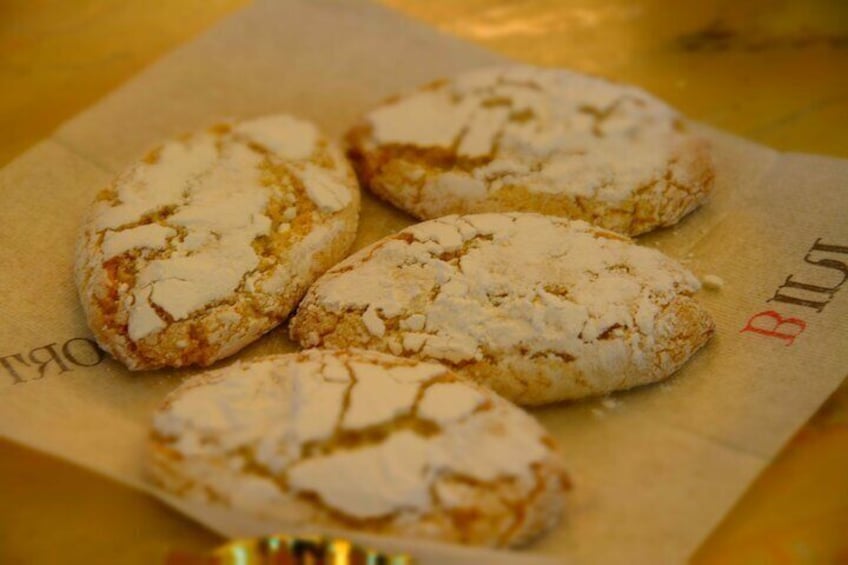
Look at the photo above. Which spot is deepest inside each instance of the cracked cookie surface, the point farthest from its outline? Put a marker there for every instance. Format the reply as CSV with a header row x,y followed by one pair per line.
x,y
539,308
360,440
522,138
211,239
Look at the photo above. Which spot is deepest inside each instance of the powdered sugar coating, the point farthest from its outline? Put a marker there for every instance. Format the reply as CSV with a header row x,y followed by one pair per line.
x,y
185,258
237,435
538,307
521,138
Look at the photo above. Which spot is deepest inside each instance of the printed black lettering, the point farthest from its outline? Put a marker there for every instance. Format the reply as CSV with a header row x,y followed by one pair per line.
x,y
4,361
814,304
804,294
828,263
819,246
84,354
52,357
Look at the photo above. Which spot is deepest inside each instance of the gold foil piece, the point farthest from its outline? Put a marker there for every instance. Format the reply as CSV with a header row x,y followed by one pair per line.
x,y
300,550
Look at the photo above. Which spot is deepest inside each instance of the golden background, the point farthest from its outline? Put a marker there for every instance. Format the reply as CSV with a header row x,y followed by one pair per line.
x,y
772,71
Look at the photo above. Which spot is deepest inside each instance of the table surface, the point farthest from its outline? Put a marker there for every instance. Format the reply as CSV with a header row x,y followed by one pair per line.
x,y
772,71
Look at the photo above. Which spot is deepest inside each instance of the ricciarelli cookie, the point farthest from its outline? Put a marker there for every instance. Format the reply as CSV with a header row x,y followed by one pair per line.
x,y
211,239
539,308
364,441
521,138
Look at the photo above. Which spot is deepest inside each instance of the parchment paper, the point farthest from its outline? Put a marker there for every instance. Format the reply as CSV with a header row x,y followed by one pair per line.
x,y
654,469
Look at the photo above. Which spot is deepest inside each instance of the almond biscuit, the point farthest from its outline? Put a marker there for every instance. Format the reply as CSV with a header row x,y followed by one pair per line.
x,y
539,308
521,138
211,239
364,441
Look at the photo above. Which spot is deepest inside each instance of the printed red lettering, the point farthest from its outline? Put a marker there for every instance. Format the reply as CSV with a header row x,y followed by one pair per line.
x,y
771,324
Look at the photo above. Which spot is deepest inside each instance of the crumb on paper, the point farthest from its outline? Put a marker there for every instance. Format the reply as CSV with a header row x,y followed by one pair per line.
x,y
604,407
712,282
610,403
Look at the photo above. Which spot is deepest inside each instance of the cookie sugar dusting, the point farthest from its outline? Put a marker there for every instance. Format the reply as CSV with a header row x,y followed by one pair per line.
x,y
539,308
360,440
521,138
210,240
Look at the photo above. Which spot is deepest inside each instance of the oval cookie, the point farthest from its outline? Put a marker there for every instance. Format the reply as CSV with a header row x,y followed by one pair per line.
x,y
539,308
211,239
520,138
360,440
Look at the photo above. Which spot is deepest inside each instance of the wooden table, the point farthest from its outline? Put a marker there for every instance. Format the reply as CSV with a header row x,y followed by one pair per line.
x,y
775,72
